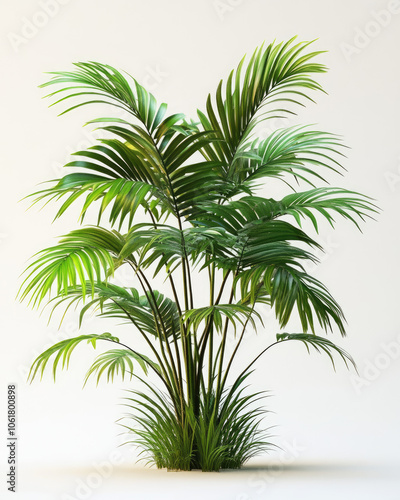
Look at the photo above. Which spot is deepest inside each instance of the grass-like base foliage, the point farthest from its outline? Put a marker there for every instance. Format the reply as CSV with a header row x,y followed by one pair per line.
x,y
225,434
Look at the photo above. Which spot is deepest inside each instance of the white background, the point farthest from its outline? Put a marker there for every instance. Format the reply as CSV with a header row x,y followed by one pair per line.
x,y
338,433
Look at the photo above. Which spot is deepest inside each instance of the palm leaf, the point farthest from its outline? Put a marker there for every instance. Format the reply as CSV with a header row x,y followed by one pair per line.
x,y
83,257
62,351
290,287
153,313
319,344
295,151
115,362
105,84
150,153
348,204
277,73
166,245
233,312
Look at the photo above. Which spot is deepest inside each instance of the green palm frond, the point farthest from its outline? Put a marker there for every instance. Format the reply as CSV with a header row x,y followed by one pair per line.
x,y
248,217
319,344
123,196
290,287
62,351
286,289
292,152
166,245
167,169
277,74
248,210
233,312
348,204
150,313
253,237
267,246
153,152
83,257
105,84
134,171
118,362
65,265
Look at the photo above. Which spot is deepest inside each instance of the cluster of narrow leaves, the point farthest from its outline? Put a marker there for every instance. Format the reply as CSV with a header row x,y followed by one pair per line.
x,y
181,198
209,441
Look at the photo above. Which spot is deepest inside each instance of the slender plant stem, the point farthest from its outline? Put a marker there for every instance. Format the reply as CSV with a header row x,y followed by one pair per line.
x,y
211,274
242,373
156,312
236,348
176,347
165,379
222,351
206,332
187,350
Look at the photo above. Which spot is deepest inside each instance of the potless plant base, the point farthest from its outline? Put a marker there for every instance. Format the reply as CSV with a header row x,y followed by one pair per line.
x,y
183,198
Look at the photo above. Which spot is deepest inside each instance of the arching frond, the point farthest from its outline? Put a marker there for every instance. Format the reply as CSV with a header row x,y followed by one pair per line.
x,y
278,73
123,196
62,351
319,344
83,257
153,152
105,84
294,152
255,210
166,245
348,204
290,287
117,362
233,312
154,313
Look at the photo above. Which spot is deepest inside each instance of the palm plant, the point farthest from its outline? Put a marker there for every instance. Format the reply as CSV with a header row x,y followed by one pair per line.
x,y
196,184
